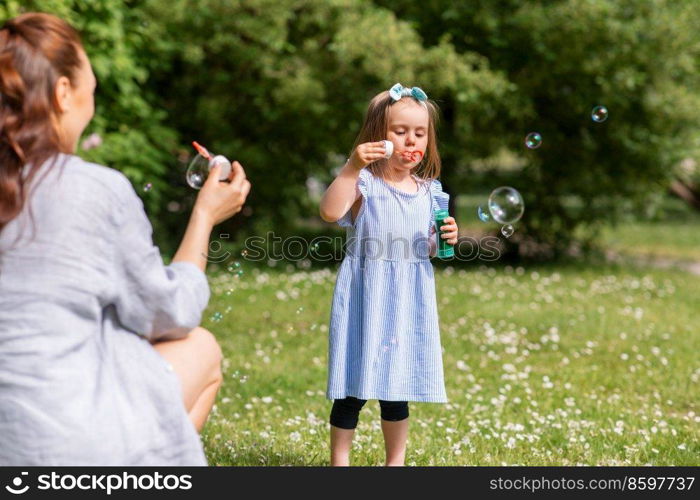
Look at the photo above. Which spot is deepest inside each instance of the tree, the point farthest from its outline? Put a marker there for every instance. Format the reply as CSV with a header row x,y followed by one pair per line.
x,y
638,58
135,136
282,87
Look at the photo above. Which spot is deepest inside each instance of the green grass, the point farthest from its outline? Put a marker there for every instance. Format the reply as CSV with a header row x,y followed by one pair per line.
x,y
543,366
679,240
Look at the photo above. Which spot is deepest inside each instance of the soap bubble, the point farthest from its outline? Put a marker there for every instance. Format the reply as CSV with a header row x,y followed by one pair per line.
x,y
483,214
599,114
506,205
197,171
217,317
300,310
244,253
533,140
229,291
147,187
507,230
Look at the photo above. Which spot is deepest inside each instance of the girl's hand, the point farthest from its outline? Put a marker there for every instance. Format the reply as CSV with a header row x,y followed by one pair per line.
x,y
217,200
451,231
366,153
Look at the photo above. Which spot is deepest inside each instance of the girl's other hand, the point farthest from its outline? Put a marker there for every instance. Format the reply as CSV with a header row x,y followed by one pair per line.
x,y
366,153
450,231
218,201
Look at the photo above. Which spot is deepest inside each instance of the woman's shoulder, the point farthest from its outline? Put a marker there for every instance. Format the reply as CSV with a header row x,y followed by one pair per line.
x,y
93,179
76,184
83,171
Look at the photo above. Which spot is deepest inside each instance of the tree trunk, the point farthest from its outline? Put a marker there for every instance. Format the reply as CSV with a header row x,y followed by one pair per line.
x,y
688,192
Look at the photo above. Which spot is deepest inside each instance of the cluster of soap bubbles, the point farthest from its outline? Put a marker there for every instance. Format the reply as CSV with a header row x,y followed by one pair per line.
x,y
533,140
235,268
505,206
218,316
237,271
505,203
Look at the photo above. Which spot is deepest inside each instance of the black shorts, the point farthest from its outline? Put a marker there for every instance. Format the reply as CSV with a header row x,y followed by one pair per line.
x,y
346,412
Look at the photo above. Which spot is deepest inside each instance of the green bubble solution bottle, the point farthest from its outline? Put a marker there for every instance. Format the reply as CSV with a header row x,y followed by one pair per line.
x,y
444,249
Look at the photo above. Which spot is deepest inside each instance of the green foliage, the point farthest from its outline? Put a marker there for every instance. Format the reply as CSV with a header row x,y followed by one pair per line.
x,y
282,86
136,137
638,58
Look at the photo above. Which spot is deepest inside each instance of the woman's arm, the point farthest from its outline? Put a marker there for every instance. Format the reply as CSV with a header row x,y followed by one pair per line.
x,y
194,247
216,202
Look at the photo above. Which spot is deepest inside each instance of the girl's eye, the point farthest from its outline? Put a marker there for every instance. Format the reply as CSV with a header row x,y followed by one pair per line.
x,y
420,135
400,132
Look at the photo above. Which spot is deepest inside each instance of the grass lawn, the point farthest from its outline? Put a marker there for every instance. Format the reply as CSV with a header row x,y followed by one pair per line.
x,y
543,366
677,240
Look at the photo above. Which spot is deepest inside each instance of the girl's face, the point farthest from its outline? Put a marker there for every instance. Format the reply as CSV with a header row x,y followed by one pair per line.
x,y
76,104
408,130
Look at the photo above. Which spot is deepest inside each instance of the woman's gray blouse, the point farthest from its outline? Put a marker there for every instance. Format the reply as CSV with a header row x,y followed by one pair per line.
x,y
83,291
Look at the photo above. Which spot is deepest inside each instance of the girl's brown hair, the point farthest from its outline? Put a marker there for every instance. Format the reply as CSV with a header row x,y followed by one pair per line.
x,y
35,51
375,128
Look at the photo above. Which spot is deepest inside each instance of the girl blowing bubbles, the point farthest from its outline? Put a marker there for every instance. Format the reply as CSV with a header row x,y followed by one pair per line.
x,y
384,335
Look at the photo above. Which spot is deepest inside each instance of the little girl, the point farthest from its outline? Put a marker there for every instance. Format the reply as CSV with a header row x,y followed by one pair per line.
x,y
384,335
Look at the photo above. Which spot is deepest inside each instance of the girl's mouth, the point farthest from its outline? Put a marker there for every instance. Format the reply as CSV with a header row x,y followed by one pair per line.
x,y
412,156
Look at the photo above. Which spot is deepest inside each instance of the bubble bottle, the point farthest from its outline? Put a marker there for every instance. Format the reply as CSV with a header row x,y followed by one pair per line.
x,y
202,163
444,249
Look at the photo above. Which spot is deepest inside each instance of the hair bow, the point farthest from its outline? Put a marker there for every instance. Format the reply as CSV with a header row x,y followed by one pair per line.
x,y
398,91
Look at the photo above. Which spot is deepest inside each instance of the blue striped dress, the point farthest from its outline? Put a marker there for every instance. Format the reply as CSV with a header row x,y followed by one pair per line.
x,y
384,339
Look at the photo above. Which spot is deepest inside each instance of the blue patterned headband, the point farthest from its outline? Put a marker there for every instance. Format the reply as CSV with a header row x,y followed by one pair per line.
x,y
398,91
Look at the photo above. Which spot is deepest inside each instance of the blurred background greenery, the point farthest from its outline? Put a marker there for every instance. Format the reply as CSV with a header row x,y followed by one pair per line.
x,y
282,86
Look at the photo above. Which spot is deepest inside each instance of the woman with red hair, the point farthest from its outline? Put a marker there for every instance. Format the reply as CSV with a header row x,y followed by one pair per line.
x,y
102,361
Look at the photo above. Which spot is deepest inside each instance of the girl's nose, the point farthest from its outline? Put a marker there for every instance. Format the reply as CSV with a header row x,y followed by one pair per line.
x,y
410,138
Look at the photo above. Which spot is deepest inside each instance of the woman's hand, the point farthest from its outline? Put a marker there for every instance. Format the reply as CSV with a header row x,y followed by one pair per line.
x,y
450,230
366,153
218,201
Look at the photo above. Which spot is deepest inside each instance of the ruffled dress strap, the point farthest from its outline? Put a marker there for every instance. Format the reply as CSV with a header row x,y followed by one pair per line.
x,y
364,182
440,200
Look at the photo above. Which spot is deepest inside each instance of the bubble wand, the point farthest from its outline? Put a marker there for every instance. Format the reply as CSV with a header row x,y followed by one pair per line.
x,y
199,168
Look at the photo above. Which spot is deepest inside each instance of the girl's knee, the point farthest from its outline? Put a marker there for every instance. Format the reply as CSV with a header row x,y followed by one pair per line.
x,y
394,411
346,412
